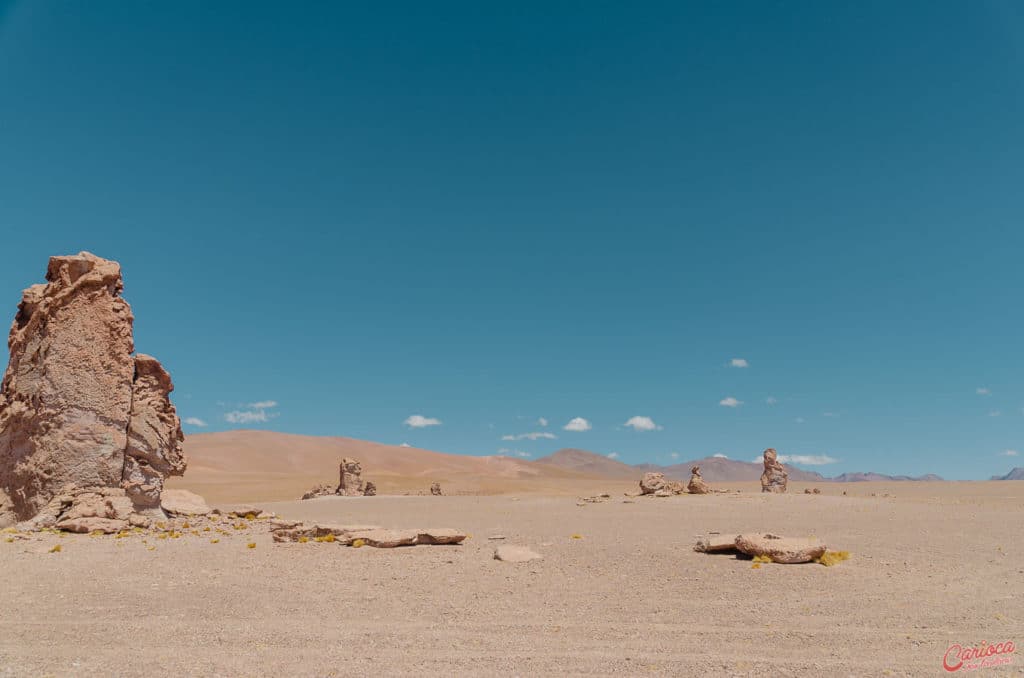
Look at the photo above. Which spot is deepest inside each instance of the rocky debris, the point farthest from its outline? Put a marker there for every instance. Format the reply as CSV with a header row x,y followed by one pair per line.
x,y
595,499
497,536
664,492
715,543
350,478
76,407
515,554
87,509
321,490
435,489
184,503
370,489
809,490
652,482
774,478
363,535
780,549
697,484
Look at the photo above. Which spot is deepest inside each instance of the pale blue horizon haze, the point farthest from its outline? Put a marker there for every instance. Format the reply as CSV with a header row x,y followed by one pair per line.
x,y
738,225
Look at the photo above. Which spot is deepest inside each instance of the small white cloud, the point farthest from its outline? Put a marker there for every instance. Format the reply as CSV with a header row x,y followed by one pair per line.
x,y
523,454
419,421
405,445
799,420
981,390
719,455
730,402
542,421
829,414
613,455
263,405
674,455
578,424
195,421
771,400
642,424
805,459
531,436
518,453
995,413
247,417
1010,453
739,362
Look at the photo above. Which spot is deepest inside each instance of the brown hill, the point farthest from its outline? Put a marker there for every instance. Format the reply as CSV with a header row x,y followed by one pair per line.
x,y
591,463
267,466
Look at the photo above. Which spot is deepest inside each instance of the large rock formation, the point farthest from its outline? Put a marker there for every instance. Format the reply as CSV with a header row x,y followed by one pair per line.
x,y
76,407
350,478
774,478
697,484
652,482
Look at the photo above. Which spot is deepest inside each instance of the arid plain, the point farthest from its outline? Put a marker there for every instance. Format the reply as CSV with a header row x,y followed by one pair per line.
x,y
619,590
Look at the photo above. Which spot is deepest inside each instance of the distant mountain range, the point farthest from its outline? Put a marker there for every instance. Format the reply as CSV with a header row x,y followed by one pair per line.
x,y
714,469
1015,474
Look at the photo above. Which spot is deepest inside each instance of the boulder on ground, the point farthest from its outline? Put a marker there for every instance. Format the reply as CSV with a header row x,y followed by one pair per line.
x,y
697,484
321,490
370,489
774,478
184,503
435,489
66,400
515,554
652,482
780,549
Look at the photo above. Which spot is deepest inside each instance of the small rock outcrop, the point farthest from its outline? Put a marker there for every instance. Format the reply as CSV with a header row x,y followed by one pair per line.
x,y
350,478
435,489
774,478
369,489
184,503
321,490
652,482
77,408
87,509
697,484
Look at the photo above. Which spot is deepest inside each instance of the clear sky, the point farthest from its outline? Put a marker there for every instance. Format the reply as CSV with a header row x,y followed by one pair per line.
x,y
336,217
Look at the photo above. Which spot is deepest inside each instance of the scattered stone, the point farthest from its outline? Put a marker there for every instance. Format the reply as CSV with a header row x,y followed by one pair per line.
x,y
321,490
497,536
780,549
515,554
184,503
76,407
439,536
435,489
139,520
652,482
628,501
774,478
697,484
92,524
350,478
367,535
370,489
663,493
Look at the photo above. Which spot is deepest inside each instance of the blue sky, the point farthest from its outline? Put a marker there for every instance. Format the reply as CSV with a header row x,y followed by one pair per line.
x,y
488,214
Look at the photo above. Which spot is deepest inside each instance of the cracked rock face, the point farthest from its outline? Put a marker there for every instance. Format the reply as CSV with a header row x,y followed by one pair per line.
x,y
76,407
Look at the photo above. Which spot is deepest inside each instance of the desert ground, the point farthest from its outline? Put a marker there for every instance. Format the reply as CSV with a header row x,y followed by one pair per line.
x,y
619,590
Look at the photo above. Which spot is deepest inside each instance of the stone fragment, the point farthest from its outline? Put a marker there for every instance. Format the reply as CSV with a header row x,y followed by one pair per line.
x,y
92,524
652,482
386,539
369,489
435,489
440,536
321,490
515,554
715,543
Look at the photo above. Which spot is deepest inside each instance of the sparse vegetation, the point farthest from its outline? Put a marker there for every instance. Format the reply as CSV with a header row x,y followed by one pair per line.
x,y
830,558
55,549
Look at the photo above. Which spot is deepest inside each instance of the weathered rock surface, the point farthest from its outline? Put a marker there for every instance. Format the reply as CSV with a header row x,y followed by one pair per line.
x,y
369,535
184,503
435,489
697,484
66,401
715,543
780,549
369,489
774,478
350,478
652,482
515,554
321,490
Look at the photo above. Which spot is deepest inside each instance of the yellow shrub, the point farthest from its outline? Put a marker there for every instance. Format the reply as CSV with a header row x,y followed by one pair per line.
x,y
303,540
358,543
830,558
251,544
55,549
762,559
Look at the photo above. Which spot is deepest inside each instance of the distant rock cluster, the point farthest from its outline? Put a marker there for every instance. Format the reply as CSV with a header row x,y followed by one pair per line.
x,y
350,483
87,429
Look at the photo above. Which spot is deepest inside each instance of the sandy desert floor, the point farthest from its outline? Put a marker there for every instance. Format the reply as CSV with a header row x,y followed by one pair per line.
x,y
938,563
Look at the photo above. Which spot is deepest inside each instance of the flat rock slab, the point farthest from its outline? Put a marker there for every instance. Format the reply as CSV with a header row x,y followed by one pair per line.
x,y
780,549
93,524
184,503
716,543
515,554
